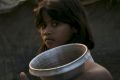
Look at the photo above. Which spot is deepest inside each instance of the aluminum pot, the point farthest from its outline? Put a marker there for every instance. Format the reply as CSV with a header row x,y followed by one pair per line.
x,y
60,63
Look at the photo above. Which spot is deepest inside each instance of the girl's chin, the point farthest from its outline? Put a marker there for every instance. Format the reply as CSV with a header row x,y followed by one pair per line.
x,y
49,46
52,45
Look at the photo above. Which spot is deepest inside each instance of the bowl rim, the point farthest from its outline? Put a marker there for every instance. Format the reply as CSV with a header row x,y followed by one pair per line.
x,y
54,68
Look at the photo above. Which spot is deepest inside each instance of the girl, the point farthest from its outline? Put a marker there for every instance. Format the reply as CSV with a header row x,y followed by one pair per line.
x,y
62,22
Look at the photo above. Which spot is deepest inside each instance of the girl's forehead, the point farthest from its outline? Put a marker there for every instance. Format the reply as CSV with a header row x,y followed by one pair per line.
x,y
46,17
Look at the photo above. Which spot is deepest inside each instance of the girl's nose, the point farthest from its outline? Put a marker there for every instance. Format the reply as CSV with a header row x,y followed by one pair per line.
x,y
48,30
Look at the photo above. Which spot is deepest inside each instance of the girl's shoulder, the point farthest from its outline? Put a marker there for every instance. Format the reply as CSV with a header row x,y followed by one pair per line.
x,y
94,71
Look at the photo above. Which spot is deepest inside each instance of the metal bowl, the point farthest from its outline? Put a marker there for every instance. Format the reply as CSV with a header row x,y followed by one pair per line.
x,y
59,60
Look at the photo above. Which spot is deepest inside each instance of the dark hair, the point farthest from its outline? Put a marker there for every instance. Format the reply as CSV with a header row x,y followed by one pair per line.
x,y
70,12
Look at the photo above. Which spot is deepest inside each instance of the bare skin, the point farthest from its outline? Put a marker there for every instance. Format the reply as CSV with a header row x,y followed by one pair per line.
x,y
94,71
23,76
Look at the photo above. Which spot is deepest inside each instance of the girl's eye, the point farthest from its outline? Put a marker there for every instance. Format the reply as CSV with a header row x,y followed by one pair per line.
x,y
42,25
55,23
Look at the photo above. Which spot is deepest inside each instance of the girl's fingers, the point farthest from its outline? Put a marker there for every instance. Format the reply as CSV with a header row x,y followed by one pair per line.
x,y
23,76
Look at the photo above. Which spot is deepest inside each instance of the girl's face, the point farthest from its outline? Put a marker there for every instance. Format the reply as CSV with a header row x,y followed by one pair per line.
x,y
55,33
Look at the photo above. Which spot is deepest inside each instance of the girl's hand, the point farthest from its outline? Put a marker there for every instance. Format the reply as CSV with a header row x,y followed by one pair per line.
x,y
23,76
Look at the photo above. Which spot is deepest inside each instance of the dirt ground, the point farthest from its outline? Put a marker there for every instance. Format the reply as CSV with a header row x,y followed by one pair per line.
x,y
19,39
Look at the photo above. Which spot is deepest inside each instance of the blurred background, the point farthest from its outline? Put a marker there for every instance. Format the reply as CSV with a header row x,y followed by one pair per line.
x,y
19,39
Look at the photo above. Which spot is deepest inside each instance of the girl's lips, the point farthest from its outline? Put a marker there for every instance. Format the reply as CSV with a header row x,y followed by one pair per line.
x,y
49,43
48,40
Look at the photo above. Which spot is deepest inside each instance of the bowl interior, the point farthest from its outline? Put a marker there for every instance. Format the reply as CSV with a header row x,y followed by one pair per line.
x,y
58,56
